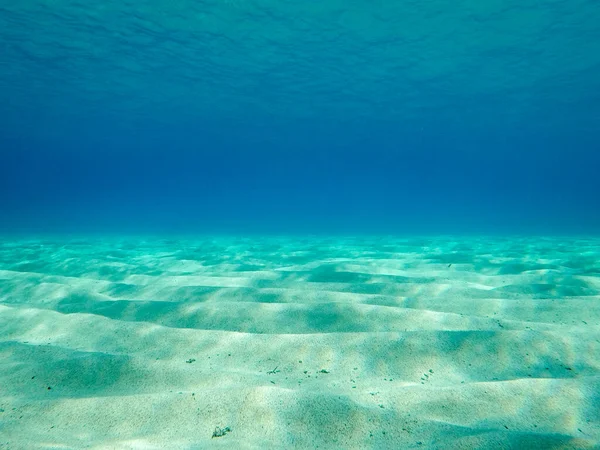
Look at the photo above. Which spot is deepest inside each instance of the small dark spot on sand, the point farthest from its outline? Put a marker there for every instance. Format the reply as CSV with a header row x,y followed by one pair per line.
x,y
219,432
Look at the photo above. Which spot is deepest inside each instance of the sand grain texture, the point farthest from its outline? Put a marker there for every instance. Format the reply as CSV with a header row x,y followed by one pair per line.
x,y
300,343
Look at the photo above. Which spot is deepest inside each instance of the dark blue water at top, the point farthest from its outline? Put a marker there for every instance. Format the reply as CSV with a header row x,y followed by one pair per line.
x,y
276,117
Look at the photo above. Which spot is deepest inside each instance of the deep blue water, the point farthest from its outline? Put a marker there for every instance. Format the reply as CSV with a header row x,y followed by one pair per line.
x,y
276,117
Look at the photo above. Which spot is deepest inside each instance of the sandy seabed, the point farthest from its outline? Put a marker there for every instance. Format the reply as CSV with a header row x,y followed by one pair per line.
x,y
342,343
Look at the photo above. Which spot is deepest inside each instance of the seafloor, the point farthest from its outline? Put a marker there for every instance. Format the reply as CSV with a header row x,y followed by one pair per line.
x,y
370,342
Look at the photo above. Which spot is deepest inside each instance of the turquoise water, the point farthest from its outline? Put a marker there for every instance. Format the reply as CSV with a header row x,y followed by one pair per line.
x,y
259,224
294,117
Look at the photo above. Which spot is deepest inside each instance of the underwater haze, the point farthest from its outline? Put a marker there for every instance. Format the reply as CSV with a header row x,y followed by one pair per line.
x,y
260,224
289,116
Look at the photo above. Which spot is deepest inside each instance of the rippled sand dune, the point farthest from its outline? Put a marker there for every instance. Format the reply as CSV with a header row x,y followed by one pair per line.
x,y
300,343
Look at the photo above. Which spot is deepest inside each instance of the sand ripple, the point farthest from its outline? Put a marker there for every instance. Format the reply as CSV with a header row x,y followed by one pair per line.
x,y
329,343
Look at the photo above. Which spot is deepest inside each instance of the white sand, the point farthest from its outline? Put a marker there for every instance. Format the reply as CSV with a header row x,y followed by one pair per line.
x,y
423,343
